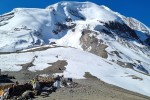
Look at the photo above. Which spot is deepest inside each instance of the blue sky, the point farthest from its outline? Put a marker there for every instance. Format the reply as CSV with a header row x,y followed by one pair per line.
x,y
138,9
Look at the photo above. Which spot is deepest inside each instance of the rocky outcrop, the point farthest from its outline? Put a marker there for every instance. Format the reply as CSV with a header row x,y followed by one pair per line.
x,y
92,44
4,18
134,66
121,30
60,27
135,24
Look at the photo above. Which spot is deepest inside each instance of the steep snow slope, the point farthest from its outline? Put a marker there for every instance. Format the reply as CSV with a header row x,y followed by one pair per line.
x,y
37,26
121,43
83,11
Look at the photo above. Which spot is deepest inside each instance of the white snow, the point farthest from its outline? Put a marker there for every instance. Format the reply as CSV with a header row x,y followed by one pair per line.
x,y
44,22
79,62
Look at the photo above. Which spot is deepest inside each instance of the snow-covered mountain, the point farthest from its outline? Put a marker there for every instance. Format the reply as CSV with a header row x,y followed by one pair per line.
x,y
122,44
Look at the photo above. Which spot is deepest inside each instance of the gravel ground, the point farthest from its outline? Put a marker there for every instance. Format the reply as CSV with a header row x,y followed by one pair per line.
x,y
93,89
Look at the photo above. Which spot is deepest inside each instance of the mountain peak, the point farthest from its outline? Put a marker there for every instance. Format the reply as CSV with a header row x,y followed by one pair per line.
x,y
85,9
56,20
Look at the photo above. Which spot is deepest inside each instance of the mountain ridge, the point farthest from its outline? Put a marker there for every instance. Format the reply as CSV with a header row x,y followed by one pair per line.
x,y
48,15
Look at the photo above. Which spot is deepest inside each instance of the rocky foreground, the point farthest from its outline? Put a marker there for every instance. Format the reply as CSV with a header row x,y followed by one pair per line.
x,y
90,88
93,89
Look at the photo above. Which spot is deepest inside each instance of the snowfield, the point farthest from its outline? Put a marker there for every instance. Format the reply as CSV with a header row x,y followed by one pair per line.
x,y
79,62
